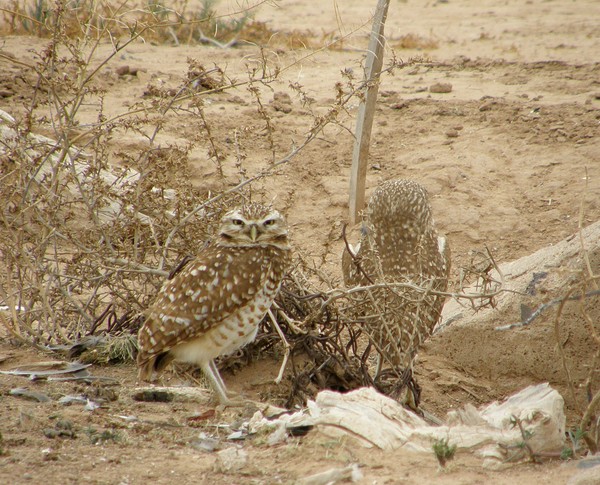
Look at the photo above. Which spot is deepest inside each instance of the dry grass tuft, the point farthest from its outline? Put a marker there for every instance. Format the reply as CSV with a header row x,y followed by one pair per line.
x,y
162,22
414,41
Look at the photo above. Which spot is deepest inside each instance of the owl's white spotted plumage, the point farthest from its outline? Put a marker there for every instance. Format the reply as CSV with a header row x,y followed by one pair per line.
x,y
399,244
213,306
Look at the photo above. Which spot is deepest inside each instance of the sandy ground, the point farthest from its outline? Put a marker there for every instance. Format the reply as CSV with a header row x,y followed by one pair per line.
x,y
505,156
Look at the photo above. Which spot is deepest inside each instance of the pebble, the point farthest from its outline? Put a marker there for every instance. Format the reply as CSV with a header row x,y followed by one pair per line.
x,y
231,459
440,88
487,106
126,70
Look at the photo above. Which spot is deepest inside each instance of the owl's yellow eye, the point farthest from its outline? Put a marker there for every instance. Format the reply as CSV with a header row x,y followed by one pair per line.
x,y
237,222
269,222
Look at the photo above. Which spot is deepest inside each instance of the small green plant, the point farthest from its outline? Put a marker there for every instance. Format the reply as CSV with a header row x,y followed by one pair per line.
x,y
443,451
122,348
566,453
576,437
38,15
101,437
159,10
527,435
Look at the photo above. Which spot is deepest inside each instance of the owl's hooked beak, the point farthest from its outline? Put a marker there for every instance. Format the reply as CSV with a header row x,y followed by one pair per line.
x,y
253,232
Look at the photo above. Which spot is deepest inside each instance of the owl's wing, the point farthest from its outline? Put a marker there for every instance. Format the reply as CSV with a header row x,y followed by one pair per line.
x,y
203,294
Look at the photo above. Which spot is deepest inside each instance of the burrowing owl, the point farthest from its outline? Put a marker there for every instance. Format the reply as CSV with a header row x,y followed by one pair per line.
x,y
213,306
399,244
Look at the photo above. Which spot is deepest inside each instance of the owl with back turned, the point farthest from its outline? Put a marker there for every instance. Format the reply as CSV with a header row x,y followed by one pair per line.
x,y
214,304
399,244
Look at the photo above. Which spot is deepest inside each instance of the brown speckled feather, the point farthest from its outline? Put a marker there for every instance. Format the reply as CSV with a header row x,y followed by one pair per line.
x,y
201,297
213,305
399,245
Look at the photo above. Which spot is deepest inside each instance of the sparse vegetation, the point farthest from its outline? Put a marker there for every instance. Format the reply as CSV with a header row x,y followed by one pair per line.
x,y
415,41
161,22
444,452
101,437
90,225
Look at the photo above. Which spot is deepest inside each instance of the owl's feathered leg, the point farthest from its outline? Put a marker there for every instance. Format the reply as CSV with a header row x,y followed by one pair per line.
x,y
217,375
216,382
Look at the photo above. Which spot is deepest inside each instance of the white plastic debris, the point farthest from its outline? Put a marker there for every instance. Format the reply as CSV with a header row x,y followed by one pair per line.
x,y
491,431
68,400
278,436
280,427
91,405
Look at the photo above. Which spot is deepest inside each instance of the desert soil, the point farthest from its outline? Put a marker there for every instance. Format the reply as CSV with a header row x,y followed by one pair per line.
x,y
509,156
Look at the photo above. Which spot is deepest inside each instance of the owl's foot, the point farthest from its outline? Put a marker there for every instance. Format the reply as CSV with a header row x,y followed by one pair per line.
x,y
234,402
232,399
225,397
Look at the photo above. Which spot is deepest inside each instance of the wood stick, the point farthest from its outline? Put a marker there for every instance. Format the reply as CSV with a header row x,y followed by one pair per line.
x,y
366,112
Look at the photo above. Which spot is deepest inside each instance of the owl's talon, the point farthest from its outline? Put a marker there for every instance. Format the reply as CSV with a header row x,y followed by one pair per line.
x,y
234,402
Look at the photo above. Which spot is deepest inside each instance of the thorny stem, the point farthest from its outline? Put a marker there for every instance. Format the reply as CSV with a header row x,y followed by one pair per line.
x,y
561,350
319,126
532,455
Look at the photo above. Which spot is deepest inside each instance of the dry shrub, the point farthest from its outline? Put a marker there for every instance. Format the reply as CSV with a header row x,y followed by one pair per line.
x,y
256,32
414,41
162,22
79,234
168,20
84,226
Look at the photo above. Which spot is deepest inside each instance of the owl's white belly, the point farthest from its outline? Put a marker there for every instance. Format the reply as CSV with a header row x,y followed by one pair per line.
x,y
228,336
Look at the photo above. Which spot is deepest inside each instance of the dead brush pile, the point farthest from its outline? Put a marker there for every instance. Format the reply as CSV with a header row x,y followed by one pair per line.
x,y
327,335
89,230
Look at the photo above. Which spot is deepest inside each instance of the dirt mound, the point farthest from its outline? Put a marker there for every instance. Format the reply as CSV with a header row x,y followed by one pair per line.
x,y
555,343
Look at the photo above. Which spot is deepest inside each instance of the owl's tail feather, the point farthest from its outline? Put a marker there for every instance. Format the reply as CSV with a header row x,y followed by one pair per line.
x,y
146,367
149,365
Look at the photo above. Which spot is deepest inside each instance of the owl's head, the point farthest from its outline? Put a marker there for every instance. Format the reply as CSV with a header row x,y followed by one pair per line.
x,y
253,225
